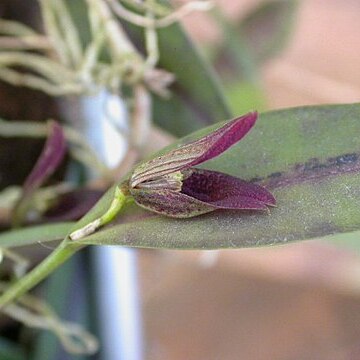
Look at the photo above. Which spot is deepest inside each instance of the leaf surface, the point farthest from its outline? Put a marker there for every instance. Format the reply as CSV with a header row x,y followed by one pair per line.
x,y
308,157
34,234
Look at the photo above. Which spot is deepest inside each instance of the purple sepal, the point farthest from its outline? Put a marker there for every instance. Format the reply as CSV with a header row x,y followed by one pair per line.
x,y
49,160
220,140
170,203
225,191
195,152
204,191
171,186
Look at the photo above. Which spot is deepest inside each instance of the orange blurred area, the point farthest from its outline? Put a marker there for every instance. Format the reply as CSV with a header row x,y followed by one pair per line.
x,y
295,302
321,62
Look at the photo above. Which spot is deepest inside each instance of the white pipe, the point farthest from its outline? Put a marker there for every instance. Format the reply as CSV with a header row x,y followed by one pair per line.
x,y
115,267
119,309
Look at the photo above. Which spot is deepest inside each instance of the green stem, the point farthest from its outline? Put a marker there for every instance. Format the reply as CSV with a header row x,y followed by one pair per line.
x,y
115,206
54,260
65,250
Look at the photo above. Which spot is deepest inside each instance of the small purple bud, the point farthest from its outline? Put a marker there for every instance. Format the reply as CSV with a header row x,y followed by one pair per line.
x,y
195,152
50,158
171,186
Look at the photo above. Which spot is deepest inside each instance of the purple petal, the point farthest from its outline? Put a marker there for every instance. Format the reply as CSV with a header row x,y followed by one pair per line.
x,y
228,135
204,191
225,191
195,152
170,203
50,158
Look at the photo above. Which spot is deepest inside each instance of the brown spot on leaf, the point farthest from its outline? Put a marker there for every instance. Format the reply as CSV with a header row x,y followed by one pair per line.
x,y
312,170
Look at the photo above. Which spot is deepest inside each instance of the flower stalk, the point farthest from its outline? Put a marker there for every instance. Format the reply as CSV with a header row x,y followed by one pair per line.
x,y
63,252
115,207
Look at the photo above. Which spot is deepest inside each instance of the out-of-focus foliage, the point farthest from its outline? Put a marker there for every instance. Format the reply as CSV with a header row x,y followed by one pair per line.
x,y
261,34
10,351
268,28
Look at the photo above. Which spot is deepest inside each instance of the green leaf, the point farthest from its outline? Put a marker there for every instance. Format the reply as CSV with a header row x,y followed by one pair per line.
x,y
262,34
197,99
57,287
63,287
348,241
235,56
34,234
10,350
268,28
309,157
244,97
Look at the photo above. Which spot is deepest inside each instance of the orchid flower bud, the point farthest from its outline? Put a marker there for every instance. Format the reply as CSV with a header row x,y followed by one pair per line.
x,y
170,184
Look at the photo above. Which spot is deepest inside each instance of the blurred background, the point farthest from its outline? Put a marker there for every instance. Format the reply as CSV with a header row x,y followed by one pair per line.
x,y
295,302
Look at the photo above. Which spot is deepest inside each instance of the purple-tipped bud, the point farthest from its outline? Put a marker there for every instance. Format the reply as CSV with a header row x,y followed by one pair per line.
x,y
169,184
195,152
50,158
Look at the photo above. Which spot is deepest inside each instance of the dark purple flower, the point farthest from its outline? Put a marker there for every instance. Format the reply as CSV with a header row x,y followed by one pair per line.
x,y
48,161
171,186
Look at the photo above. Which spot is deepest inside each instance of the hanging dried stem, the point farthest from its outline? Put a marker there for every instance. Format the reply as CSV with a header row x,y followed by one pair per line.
x,y
21,264
62,65
140,117
32,42
80,149
66,66
37,314
14,28
171,18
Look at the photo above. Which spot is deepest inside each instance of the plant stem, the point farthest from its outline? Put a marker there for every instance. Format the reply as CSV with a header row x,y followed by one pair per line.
x,y
115,206
64,251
